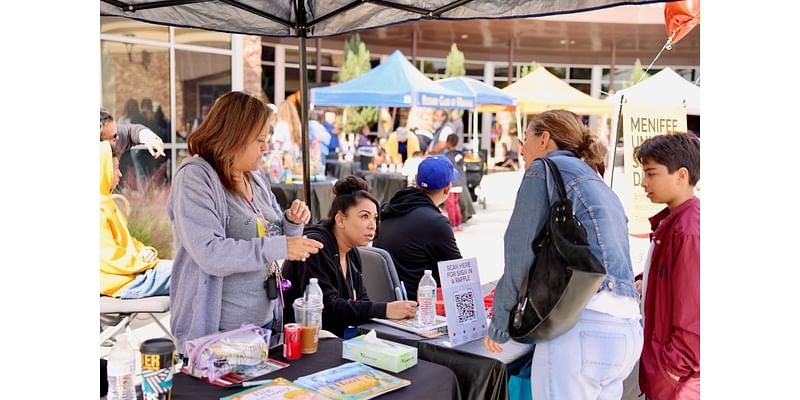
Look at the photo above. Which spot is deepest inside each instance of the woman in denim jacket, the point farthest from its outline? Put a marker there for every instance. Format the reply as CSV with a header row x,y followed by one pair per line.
x,y
591,360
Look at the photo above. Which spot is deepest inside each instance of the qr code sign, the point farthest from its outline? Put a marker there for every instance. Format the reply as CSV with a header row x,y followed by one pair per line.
x,y
465,306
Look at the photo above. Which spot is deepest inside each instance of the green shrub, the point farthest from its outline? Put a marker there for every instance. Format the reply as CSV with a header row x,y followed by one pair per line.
x,y
147,217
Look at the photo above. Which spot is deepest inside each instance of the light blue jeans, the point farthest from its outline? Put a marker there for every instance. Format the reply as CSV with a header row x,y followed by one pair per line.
x,y
153,282
589,361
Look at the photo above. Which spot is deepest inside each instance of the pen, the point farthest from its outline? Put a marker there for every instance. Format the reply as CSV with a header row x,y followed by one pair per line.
x,y
405,294
248,384
398,293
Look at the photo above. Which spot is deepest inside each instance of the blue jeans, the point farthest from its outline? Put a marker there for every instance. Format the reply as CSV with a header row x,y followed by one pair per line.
x,y
589,361
153,282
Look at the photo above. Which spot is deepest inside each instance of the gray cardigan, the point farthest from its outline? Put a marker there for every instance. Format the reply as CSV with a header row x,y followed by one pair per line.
x,y
203,255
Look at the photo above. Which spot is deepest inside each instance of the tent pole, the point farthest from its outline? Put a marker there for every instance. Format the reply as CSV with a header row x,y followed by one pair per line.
x,y
475,131
469,125
303,33
616,132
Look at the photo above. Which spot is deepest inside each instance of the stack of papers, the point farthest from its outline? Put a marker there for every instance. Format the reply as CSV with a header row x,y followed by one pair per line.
x,y
438,328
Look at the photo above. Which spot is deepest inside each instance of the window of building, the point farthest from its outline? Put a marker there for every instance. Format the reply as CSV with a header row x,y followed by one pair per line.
x,y
201,78
161,77
199,37
560,72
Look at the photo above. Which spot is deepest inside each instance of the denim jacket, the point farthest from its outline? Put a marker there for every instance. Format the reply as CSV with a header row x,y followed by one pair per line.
x,y
597,208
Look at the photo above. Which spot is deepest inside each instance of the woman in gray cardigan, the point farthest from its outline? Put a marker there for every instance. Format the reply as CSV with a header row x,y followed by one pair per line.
x,y
229,230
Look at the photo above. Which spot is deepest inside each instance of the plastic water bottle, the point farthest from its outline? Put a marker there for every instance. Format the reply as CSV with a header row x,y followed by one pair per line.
x,y
121,371
426,299
313,293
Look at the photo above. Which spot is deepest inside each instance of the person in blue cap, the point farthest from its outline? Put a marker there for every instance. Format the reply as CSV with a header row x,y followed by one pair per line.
x,y
414,230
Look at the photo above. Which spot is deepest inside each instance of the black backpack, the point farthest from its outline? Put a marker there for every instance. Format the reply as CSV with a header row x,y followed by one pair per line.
x,y
564,275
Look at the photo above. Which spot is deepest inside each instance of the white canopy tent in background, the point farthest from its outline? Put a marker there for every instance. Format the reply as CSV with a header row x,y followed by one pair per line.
x,y
666,88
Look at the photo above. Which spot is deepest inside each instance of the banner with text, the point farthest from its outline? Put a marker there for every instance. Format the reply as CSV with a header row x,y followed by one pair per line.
x,y
639,124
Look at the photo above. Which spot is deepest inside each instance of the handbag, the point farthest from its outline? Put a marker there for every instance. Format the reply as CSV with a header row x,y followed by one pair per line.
x,y
564,275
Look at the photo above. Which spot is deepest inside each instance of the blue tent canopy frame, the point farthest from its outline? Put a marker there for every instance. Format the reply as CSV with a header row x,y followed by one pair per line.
x,y
393,83
484,94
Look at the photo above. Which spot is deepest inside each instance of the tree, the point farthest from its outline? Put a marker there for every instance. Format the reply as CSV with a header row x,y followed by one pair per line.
x,y
527,69
455,63
356,62
637,74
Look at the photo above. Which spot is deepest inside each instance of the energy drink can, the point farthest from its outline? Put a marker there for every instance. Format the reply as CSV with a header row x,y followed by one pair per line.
x,y
291,341
158,356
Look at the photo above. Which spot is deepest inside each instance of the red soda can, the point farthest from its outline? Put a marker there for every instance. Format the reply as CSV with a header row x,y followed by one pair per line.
x,y
291,341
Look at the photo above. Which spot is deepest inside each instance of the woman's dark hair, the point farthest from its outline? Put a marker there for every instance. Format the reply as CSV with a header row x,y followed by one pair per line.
x,y
105,119
349,190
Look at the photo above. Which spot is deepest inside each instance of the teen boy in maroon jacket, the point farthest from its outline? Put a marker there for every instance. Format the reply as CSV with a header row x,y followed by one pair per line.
x,y
670,364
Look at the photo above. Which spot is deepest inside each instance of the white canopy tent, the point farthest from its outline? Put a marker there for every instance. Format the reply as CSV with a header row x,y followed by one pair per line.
x,y
664,88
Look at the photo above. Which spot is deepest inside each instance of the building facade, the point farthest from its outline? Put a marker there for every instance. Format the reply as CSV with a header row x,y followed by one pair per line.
x,y
164,76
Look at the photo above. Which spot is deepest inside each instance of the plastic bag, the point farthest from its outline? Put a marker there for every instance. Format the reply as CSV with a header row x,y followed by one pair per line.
x,y
218,354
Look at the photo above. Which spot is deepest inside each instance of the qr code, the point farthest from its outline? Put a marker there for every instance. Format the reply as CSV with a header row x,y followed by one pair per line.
x,y
465,306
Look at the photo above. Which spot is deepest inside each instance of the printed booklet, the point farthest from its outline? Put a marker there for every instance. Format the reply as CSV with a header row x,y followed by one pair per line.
x,y
352,381
277,389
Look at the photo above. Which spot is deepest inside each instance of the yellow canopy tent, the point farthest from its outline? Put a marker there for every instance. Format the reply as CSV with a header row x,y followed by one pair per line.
x,y
540,91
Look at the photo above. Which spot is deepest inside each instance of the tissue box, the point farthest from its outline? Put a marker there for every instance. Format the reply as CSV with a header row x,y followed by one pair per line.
x,y
383,354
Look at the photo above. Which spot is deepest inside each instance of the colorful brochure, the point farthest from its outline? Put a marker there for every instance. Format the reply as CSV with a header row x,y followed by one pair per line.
x,y
352,381
244,373
277,389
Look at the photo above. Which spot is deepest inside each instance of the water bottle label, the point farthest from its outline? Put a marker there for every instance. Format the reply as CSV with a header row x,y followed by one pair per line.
x,y
116,368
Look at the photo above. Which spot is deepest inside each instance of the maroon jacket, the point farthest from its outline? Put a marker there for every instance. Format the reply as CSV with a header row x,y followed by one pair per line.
x,y
672,306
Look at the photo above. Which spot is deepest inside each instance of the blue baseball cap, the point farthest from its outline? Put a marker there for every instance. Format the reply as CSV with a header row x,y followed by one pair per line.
x,y
435,172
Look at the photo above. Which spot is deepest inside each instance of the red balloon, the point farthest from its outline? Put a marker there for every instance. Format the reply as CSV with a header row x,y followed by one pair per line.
x,y
681,17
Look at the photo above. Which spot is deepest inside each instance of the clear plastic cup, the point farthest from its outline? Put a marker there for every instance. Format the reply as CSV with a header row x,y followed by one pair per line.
x,y
309,316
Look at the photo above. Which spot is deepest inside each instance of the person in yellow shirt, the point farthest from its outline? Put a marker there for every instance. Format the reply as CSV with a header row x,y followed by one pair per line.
x,y
128,268
401,145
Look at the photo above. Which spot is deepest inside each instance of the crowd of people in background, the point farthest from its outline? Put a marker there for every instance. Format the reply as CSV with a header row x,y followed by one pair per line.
x,y
231,236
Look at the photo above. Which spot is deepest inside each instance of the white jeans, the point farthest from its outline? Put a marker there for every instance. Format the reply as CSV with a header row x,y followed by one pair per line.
x,y
589,361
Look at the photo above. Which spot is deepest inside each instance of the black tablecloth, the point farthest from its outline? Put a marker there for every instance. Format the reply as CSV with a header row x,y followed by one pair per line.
x,y
339,168
385,185
321,196
428,380
479,376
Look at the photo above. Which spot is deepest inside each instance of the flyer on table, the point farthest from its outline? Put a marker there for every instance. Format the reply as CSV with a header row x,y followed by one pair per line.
x,y
463,300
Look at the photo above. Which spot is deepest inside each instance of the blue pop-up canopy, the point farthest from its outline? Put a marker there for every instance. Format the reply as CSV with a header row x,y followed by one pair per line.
x,y
484,94
487,98
393,83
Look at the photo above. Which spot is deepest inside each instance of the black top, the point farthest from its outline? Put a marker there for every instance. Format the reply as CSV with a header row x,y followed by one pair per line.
x,y
417,235
340,308
456,157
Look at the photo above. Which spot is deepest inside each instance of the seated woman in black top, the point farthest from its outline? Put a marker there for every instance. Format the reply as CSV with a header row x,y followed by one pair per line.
x,y
352,221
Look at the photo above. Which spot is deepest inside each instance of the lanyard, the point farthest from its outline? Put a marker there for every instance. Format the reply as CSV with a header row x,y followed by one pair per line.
x,y
260,220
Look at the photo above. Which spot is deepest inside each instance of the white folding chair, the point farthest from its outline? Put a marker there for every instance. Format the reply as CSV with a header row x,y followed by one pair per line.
x,y
117,314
